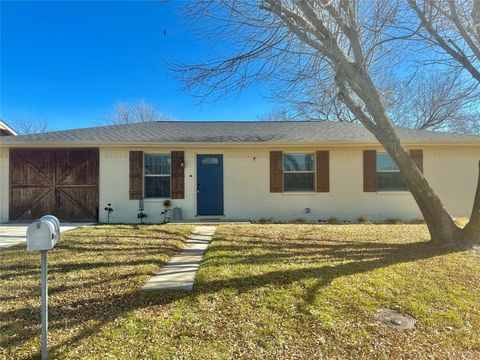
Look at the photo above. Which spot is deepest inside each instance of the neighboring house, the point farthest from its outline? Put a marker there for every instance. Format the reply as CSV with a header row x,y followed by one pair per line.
x,y
229,170
6,130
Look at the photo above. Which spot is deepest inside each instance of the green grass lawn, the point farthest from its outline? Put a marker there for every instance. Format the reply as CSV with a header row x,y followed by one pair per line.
x,y
263,292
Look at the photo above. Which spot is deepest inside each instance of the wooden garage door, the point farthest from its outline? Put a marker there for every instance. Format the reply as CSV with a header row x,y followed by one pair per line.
x,y
60,182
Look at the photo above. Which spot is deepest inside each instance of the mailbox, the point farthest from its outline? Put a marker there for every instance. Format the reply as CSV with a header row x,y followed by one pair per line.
x,y
43,234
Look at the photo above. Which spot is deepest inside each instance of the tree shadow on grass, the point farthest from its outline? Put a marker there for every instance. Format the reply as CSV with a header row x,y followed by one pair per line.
x,y
86,287
89,315
67,267
335,259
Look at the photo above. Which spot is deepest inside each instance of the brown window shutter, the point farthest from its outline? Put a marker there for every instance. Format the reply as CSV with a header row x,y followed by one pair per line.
x,y
369,170
276,172
417,157
136,175
323,171
178,175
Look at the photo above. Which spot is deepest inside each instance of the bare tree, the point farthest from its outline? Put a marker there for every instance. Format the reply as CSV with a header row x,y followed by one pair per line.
x,y
25,125
453,27
469,126
351,45
435,102
141,111
277,114
428,101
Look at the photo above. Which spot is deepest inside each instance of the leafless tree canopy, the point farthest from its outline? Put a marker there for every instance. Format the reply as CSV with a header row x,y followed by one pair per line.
x,y
344,54
394,45
26,125
451,26
434,103
277,114
141,111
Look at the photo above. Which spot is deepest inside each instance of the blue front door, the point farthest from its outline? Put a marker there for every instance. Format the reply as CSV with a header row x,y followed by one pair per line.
x,y
210,184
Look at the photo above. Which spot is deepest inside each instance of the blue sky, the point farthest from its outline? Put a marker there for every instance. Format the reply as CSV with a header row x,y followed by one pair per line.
x,y
70,62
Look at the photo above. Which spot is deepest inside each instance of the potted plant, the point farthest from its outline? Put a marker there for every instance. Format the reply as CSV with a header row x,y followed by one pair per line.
x,y
167,204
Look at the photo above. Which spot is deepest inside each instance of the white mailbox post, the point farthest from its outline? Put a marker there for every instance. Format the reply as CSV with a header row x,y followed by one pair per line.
x,y
43,235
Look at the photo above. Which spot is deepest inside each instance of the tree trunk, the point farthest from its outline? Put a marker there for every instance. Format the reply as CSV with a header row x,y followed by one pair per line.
x,y
442,228
471,231
352,78
440,224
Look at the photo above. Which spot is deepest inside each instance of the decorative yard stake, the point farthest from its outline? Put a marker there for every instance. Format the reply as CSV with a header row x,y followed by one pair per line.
x,y
141,207
109,210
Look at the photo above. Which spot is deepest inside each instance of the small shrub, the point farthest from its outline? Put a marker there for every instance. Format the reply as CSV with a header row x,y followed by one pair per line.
x,y
394,221
108,210
363,220
265,220
334,221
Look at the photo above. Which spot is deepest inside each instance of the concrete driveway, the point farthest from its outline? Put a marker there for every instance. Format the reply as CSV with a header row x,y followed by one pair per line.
x,y
13,234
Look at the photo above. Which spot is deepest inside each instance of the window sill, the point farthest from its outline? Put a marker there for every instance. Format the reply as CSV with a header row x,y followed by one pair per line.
x,y
153,200
302,193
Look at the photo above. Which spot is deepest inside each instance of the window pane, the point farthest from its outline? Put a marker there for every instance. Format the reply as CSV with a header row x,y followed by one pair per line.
x,y
385,162
390,181
157,186
157,164
299,182
210,161
298,162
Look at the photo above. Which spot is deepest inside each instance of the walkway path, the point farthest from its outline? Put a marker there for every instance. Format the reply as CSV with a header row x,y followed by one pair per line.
x,y
180,271
14,234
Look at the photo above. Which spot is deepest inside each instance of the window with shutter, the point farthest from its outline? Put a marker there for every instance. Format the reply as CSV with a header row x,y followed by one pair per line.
x,y
388,174
157,175
298,172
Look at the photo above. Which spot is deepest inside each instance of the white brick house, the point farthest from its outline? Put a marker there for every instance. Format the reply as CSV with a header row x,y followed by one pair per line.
x,y
228,170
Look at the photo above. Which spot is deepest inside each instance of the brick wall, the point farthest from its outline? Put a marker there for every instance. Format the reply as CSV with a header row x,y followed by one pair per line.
x,y
452,172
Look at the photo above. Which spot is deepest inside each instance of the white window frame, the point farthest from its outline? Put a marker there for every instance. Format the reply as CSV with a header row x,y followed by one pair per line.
x,y
157,175
387,171
314,171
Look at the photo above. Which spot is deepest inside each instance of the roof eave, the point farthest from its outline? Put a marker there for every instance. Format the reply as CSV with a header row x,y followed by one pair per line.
x,y
5,126
50,144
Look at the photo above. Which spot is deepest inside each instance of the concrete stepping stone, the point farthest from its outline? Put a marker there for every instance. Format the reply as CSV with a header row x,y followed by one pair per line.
x,y
179,273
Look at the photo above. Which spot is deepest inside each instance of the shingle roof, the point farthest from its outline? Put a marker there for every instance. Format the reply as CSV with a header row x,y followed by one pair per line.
x,y
230,132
